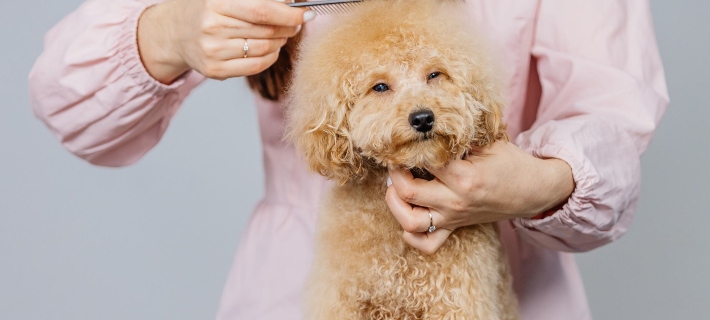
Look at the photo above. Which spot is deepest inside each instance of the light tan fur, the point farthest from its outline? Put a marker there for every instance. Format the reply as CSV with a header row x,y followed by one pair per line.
x,y
352,134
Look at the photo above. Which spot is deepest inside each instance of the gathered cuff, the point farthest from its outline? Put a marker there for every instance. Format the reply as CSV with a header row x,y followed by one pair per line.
x,y
551,229
584,175
130,59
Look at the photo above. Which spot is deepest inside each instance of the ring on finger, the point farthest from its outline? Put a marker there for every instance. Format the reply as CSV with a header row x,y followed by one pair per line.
x,y
432,228
246,48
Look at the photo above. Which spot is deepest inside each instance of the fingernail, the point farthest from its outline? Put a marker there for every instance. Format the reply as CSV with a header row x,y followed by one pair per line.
x,y
309,15
389,181
298,29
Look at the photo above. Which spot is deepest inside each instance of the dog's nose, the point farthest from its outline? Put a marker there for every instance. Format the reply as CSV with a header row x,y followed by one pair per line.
x,y
422,120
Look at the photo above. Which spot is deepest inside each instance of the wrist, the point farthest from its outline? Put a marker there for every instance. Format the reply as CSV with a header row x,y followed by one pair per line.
x,y
157,44
558,182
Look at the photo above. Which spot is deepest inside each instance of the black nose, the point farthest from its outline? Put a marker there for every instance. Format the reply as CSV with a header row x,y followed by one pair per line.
x,y
422,120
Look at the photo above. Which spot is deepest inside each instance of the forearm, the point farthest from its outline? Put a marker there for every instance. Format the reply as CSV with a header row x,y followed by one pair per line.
x,y
90,88
607,183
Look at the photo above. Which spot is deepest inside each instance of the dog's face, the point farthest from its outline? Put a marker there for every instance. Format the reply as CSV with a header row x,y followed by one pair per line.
x,y
383,91
413,114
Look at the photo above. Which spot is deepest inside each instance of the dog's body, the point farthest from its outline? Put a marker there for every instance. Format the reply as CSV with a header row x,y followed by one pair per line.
x,y
364,270
354,99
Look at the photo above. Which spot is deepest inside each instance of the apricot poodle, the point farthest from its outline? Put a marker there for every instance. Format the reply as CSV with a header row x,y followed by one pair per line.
x,y
401,83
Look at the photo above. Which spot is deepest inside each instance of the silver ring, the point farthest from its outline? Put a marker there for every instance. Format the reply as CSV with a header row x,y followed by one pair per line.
x,y
432,228
246,48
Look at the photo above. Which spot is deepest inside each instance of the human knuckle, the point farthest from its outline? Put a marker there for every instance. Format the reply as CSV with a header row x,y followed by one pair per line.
x,y
214,71
408,194
270,31
209,48
263,47
209,24
212,50
260,14
464,183
458,205
410,225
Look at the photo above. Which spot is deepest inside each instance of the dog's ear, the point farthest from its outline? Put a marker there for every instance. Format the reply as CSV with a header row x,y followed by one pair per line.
x,y
483,96
318,127
472,67
476,74
489,126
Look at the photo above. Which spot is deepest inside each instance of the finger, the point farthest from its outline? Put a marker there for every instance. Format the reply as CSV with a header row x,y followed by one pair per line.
x,y
419,191
240,67
428,243
263,12
452,173
262,31
413,218
234,49
228,27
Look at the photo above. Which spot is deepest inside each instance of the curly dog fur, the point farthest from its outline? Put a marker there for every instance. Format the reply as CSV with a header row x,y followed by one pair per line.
x,y
425,54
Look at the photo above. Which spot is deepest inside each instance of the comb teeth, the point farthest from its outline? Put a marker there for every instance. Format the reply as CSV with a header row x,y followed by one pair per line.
x,y
333,6
328,6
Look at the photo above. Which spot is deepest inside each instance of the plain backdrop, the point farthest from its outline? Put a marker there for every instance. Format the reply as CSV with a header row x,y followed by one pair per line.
x,y
155,240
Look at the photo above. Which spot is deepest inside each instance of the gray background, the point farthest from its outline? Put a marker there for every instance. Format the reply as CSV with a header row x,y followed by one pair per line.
x,y
155,240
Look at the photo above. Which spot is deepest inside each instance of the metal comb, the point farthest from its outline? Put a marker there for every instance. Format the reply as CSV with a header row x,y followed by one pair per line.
x,y
333,6
328,6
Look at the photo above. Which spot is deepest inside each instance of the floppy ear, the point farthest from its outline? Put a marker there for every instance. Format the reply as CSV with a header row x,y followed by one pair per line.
x,y
483,96
473,71
318,125
490,126
483,93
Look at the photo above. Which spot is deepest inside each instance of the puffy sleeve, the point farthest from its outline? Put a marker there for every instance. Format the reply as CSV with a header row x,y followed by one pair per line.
x,y
603,94
90,88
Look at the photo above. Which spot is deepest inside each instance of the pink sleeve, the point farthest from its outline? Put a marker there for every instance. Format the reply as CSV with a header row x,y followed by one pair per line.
x,y
92,91
603,94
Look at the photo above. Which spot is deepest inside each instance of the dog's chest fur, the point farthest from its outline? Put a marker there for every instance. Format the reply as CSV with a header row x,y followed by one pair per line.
x,y
364,270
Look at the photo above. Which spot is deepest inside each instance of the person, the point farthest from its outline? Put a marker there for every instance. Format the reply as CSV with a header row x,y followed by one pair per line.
x,y
586,91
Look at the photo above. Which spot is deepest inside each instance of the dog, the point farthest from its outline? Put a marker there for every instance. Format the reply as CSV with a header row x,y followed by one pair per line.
x,y
396,84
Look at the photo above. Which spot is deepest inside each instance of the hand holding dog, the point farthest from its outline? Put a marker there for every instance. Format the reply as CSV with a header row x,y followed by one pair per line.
x,y
210,36
490,184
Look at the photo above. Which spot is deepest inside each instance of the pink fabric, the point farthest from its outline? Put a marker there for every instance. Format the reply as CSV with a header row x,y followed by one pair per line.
x,y
585,85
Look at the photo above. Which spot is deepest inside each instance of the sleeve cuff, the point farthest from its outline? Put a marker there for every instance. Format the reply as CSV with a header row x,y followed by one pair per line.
x,y
549,229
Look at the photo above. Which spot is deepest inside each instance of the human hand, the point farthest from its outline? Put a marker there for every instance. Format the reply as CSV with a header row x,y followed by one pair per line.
x,y
209,36
490,184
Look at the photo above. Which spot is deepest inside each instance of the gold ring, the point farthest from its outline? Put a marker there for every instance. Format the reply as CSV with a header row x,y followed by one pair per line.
x,y
246,48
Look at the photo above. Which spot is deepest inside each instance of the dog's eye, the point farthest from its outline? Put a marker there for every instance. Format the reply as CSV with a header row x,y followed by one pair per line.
x,y
380,87
433,75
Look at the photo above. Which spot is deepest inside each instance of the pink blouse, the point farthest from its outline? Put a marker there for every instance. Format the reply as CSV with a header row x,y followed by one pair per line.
x,y
585,85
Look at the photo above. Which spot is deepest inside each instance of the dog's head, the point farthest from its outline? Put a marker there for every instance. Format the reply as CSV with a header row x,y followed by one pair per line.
x,y
400,83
